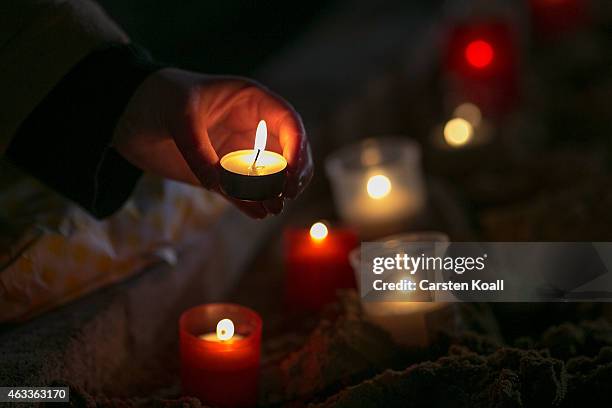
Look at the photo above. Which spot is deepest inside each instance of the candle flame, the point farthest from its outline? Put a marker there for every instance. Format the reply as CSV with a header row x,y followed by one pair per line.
x,y
225,329
318,231
261,136
378,186
479,54
458,132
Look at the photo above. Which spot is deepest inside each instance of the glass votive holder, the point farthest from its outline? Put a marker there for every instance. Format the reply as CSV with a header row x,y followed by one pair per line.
x,y
378,185
220,347
409,323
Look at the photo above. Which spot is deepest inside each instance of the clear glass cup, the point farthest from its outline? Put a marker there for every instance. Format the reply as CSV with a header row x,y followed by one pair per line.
x,y
378,185
410,323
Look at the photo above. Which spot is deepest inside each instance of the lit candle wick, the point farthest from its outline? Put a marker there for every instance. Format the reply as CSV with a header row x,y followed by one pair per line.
x,y
255,161
261,137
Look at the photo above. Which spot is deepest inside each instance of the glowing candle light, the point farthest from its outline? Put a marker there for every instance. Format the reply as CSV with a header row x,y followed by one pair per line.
x,y
225,332
317,265
220,352
261,137
458,132
318,231
481,64
253,174
225,329
467,129
378,186
479,54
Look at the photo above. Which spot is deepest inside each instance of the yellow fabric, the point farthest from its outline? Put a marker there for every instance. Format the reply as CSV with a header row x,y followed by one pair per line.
x,y
40,41
49,266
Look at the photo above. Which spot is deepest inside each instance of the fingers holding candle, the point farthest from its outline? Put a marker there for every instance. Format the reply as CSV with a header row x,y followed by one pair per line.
x,y
250,119
274,206
300,170
286,130
182,125
253,209
270,176
253,174
296,149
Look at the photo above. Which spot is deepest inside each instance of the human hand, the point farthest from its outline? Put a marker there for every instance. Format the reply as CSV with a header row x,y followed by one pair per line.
x,y
178,124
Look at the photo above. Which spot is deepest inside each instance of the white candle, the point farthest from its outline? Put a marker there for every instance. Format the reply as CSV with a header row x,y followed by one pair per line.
x,y
378,184
408,323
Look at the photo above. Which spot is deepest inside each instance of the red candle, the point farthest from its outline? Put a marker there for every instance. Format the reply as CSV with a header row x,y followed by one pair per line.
x,y
481,66
317,265
220,351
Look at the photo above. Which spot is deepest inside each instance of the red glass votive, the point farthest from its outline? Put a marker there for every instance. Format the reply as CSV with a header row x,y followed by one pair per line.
x,y
220,373
481,65
317,268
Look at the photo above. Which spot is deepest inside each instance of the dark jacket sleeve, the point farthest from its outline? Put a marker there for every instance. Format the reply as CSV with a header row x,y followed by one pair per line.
x,y
65,142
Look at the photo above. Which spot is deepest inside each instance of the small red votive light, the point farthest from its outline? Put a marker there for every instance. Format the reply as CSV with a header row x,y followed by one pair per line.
x,y
220,348
481,65
479,54
317,265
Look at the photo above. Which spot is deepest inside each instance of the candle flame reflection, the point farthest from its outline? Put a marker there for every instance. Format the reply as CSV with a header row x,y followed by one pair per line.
x,y
225,329
318,231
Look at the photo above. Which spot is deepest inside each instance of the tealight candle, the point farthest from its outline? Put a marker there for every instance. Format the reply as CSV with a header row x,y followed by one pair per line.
x,y
465,130
317,265
409,323
254,174
378,185
220,353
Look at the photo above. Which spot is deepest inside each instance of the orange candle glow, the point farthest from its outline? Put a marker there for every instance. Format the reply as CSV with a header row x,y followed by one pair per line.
x,y
253,174
220,353
317,265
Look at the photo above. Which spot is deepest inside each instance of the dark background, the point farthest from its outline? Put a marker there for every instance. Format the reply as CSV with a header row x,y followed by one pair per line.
x,y
229,36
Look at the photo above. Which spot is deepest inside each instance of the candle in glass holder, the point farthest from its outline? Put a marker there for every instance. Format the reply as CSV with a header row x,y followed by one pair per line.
x,y
378,184
317,265
254,174
220,352
465,130
481,65
410,323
